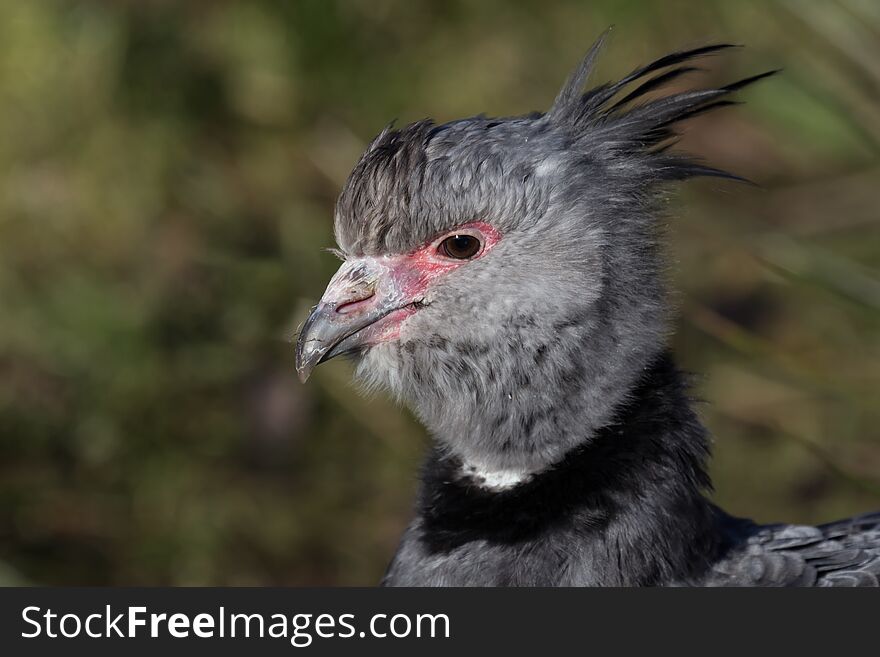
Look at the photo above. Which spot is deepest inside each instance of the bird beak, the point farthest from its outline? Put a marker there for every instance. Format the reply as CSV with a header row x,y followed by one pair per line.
x,y
358,309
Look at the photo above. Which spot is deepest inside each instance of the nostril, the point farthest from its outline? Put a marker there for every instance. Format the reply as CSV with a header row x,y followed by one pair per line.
x,y
354,306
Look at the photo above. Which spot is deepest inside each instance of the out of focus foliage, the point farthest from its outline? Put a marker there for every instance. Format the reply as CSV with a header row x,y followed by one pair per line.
x,y
168,175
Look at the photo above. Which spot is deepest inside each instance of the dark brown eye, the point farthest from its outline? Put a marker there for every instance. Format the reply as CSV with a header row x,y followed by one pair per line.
x,y
460,247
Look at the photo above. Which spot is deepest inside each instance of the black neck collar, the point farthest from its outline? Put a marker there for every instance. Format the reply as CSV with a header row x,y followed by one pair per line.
x,y
650,461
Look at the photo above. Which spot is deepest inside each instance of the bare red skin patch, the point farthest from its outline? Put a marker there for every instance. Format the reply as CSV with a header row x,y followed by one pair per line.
x,y
388,328
399,282
414,271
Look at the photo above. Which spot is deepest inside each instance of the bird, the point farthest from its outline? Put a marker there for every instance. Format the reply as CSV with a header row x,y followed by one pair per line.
x,y
504,279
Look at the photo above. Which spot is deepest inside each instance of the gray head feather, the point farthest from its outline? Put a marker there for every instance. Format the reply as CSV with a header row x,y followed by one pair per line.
x,y
521,355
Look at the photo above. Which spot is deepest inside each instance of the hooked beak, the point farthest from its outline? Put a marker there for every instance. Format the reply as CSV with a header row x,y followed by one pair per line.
x,y
363,305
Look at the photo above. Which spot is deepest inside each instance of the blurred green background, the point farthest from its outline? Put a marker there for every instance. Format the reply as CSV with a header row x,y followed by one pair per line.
x,y
168,175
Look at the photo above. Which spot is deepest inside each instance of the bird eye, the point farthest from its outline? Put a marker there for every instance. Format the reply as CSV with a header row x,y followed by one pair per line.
x,y
460,247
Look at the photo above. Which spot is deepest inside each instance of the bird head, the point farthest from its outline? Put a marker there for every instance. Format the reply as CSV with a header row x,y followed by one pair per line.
x,y
503,276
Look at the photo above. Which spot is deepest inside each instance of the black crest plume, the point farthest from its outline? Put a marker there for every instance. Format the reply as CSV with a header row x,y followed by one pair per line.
x,y
633,125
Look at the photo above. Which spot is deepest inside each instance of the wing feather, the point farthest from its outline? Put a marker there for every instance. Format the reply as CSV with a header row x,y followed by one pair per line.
x,y
842,553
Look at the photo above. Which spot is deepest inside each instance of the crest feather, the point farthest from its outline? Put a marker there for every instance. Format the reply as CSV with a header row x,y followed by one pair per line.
x,y
636,125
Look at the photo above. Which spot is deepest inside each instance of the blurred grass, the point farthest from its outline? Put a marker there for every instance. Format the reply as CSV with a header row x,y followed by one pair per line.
x,y
168,175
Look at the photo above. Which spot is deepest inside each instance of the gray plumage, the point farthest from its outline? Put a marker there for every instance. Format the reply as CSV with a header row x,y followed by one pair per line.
x,y
566,451
842,553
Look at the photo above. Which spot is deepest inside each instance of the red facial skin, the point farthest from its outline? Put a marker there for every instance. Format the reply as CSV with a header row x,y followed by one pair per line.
x,y
416,270
369,298
412,274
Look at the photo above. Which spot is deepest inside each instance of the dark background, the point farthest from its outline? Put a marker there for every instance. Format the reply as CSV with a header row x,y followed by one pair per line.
x,y
167,176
